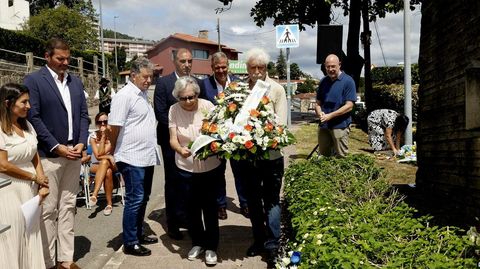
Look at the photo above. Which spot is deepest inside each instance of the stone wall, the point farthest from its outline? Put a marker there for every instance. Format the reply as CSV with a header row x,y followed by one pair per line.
x,y
448,147
90,82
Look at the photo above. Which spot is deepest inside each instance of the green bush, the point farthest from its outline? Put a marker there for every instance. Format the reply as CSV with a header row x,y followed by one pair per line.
x,y
392,97
393,74
344,215
22,43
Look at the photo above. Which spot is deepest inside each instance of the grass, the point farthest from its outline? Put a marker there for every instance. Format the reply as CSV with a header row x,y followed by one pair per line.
x,y
395,173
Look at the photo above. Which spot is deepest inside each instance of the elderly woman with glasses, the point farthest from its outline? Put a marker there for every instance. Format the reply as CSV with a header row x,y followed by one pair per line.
x,y
185,121
103,164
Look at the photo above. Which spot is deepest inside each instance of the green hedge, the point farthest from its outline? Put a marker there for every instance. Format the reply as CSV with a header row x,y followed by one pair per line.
x,y
393,74
344,215
22,43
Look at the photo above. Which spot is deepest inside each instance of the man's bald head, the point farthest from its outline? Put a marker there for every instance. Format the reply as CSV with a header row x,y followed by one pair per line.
x,y
332,65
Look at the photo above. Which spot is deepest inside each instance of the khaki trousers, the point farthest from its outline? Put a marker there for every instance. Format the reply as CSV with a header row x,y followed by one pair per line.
x,y
333,142
59,209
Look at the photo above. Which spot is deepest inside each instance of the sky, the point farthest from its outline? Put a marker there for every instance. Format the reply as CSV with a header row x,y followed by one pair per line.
x,y
157,19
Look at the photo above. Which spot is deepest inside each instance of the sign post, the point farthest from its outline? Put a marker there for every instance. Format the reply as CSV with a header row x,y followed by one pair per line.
x,y
288,36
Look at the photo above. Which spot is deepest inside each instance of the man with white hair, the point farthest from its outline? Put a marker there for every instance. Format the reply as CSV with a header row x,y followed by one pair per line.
x,y
263,179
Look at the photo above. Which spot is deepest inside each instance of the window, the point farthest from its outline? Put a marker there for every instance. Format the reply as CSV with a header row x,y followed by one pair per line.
x,y
200,54
10,3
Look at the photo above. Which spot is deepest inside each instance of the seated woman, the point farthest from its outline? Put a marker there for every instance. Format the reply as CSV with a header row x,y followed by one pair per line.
x,y
103,164
385,129
184,122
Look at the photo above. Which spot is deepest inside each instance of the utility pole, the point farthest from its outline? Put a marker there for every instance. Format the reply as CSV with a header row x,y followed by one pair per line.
x,y
407,72
218,31
101,40
115,38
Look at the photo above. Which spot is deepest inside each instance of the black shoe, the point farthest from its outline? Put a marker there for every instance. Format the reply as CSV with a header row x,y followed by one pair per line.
x,y
222,213
255,250
272,258
244,211
137,250
148,240
175,234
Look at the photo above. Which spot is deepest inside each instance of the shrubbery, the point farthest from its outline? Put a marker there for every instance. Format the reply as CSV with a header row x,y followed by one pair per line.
x,y
344,215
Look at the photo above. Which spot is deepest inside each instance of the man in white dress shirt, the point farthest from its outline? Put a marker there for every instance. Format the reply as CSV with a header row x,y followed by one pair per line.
x,y
132,125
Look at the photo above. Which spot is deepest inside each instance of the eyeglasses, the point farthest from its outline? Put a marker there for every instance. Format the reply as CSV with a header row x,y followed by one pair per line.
x,y
185,60
101,122
185,98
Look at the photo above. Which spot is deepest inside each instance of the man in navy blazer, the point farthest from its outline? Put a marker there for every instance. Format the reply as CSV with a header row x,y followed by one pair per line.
x,y
59,115
163,99
213,85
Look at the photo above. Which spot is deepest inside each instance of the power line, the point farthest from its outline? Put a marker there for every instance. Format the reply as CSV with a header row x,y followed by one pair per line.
x,y
379,42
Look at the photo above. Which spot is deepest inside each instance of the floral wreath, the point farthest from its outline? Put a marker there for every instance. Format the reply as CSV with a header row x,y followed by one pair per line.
x,y
251,139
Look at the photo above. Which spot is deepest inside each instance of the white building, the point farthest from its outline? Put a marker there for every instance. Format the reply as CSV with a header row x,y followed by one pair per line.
x,y
132,47
13,13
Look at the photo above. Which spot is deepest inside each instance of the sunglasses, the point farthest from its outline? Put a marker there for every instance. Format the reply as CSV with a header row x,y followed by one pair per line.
x,y
185,98
101,122
184,61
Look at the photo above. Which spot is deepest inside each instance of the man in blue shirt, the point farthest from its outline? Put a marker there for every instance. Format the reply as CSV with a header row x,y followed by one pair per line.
x,y
336,95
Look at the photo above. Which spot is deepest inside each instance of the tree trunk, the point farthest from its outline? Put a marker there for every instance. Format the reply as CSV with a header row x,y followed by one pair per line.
x,y
353,62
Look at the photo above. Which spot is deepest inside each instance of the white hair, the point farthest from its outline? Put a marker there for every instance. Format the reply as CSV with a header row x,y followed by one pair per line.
x,y
258,55
181,85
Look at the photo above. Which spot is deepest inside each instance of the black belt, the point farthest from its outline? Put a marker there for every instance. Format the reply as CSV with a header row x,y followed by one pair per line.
x,y
70,142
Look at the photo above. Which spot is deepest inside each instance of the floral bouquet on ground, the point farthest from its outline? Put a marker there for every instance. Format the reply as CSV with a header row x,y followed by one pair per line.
x,y
242,126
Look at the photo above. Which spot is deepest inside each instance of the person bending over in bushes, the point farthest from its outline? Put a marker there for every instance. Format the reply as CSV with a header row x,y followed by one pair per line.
x,y
385,129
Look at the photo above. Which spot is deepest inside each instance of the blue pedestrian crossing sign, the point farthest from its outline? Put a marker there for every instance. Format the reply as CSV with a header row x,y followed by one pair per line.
x,y
288,36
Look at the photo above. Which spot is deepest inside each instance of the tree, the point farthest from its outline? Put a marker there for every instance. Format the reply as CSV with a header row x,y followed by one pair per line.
x,y
295,72
121,58
111,34
272,72
308,85
66,23
310,12
281,66
38,5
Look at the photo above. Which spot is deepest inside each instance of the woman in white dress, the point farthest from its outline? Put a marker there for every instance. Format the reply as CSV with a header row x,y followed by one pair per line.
x,y
20,163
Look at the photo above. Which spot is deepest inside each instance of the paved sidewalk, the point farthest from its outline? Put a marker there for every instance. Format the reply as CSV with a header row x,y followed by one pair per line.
x,y
235,238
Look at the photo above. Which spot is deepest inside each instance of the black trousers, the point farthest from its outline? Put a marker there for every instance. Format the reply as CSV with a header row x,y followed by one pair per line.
x,y
202,207
262,181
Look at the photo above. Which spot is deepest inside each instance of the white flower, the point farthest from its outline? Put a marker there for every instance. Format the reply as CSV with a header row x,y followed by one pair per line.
x,y
319,236
305,236
319,242
240,139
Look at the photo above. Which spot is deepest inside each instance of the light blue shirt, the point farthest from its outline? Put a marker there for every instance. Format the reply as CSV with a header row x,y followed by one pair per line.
x,y
137,139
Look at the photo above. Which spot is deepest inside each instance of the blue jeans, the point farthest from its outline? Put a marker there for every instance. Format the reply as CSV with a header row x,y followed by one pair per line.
x,y
222,185
262,181
138,186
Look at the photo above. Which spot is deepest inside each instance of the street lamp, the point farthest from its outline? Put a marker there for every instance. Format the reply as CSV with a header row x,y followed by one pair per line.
x,y
115,40
101,39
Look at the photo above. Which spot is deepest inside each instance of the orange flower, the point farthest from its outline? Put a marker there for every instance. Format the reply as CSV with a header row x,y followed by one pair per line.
x,y
280,129
231,135
205,126
265,100
221,95
213,128
268,127
232,107
233,85
248,127
274,143
248,144
254,113
214,146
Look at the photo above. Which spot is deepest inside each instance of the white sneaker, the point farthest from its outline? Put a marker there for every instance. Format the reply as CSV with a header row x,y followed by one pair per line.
x,y
210,257
194,252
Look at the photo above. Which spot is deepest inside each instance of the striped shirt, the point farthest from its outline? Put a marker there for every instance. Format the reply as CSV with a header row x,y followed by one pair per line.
x,y
137,140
